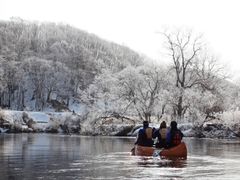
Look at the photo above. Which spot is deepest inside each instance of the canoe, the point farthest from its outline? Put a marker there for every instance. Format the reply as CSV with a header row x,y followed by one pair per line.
x,y
143,150
178,151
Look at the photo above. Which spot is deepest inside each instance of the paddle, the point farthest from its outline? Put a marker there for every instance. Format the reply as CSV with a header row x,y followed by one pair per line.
x,y
157,152
133,151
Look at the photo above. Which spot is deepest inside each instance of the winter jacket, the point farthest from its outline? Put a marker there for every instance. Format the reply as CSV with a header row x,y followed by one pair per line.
x,y
144,137
161,135
174,137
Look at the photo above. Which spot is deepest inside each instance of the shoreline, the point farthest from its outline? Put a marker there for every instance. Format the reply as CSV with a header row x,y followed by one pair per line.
x,y
73,123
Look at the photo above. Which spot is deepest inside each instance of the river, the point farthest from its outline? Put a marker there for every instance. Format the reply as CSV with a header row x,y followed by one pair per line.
x,y
55,156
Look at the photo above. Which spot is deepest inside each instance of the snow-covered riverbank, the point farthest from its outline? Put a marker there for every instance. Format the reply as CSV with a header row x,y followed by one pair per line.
x,y
70,122
26,121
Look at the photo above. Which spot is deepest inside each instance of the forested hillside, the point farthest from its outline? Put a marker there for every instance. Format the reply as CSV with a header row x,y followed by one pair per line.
x,y
47,65
42,62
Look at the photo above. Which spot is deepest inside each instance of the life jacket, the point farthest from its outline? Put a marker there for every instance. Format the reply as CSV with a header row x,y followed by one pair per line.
x,y
163,133
177,138
145,137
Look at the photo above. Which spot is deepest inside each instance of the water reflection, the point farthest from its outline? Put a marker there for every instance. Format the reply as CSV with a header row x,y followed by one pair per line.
x,y
47,156
162,163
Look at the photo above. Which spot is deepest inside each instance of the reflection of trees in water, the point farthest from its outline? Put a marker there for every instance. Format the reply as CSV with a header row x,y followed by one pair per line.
x,y
206,147
100,145
60,144
14,164
41,155
26,143
153,162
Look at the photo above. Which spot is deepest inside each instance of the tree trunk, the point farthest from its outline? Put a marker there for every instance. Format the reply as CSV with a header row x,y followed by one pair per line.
x,y
9,99
179,108
23,105
147,116
68,101
1,100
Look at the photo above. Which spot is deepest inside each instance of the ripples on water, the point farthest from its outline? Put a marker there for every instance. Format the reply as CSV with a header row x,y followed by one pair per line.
x,y
44,156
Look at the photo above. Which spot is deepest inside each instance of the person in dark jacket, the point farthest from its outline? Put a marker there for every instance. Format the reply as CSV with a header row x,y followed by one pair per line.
x,y
161,135
145,135
174,136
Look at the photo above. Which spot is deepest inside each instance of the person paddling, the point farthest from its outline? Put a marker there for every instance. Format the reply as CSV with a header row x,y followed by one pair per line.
x,y
145,135
174,136
161,135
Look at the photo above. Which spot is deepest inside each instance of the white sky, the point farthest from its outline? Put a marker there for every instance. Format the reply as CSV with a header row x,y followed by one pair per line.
x,y
135,22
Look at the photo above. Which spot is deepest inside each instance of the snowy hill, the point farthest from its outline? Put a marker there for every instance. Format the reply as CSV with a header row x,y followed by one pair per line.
x,y
46,65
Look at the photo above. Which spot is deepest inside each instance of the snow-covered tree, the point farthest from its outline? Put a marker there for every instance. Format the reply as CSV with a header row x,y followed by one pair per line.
x,y
191,66
142,88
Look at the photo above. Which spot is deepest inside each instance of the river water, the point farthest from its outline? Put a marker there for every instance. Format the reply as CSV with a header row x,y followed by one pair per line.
x,y
54,156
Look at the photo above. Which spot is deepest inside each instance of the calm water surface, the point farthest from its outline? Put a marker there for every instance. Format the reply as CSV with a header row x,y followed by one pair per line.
x,y
47,156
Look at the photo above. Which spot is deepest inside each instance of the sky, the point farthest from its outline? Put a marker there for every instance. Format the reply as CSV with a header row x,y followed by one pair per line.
x,y
136,23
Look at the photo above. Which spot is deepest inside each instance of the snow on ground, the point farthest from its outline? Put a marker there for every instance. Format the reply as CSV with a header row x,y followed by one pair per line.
x,y
231,117
227,126
40,120
12,116
39,117
76,106
3,130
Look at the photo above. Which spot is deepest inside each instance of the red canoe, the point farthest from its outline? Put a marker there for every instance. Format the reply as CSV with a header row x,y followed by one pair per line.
x,y
143,151
178,151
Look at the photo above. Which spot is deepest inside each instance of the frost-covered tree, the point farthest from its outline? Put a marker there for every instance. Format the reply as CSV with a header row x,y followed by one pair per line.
x,y
142,88
11,78
63,60
191,66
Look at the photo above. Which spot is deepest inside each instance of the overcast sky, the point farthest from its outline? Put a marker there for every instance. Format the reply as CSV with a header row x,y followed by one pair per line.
x,y
135,22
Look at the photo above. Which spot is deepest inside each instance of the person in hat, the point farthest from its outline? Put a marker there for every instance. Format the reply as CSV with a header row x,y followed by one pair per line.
x,y
161,135
145,135
174,136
